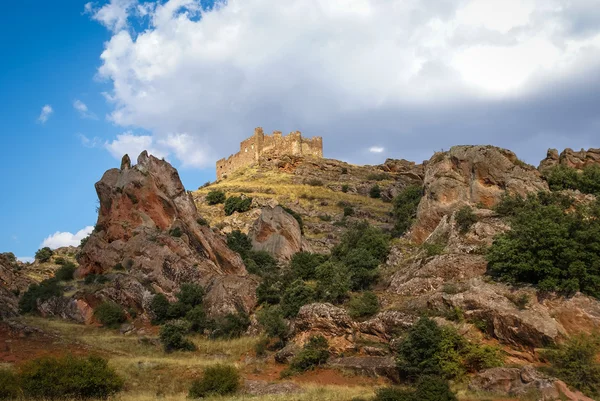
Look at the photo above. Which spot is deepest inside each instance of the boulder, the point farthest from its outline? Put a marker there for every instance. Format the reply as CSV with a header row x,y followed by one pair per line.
x,y
277,232
470,175
148,225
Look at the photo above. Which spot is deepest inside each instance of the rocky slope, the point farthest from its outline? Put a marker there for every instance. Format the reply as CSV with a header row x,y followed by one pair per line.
x,y
570,158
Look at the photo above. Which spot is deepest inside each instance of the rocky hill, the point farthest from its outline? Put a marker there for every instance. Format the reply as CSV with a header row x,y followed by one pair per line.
x,y
355,254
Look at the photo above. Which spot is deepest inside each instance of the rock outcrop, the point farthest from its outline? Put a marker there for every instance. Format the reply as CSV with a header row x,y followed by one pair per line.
x,y
570,158
527,381
470,175
12,282
147,225
277,232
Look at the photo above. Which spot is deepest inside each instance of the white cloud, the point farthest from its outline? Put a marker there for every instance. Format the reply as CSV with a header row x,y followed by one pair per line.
x,y
26,259
133,145
334,68
113,15
45,114
60,239
89,142
83,110
376,149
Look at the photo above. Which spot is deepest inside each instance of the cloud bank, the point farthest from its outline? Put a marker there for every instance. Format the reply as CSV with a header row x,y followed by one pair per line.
x,y
60,239
412,76
45,114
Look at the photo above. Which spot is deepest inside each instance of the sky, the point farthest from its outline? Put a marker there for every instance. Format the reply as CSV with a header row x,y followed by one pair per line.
x,y
82,83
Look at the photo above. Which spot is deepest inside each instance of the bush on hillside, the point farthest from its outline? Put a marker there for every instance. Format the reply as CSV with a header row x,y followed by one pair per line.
x,y
190,294
9,385
405,208
294,297
465,218
236,204
232,325
361,249
44,254
314,353
553,244
159,307
110,314
66,272
261,263
562,177
345,188
378,176
441,351
271,319
38,293
269,291
333,282
69,377
429,388
348,211
197,319
304,264
375,192
239,242
363,305
575,362
215,197
217,380
173,337
176,232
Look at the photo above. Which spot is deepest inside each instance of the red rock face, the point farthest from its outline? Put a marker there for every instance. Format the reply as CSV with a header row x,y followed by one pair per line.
x,y
570,158
471,175
147,224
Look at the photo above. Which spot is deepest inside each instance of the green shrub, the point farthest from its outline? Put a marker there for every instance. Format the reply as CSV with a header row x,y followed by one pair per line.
x,y
345,188
159,307
432,350
66,272
215,197
173,337
110,314
294,297
216,380
363,305
433,388
562,177
296,216
198,319
314,353
261,263
324,217
271,319
90,279
177,310
344,170
465,218
348,211
575,362
119,267
548,247
176,232
202,221
304,264
405,208
60,260
314,182
239,242
44,254
362,249
190,294
333,282
9,385
260,348
232,325
393,394
83,241
237,204
433,248
375,192
269,291
377,176
38,293
69,377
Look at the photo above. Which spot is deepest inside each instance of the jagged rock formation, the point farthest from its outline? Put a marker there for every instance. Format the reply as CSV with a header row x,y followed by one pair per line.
x,y
276,232
147,224
470,175
12,282
570,158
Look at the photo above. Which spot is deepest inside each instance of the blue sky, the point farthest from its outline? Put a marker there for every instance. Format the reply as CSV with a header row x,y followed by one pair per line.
x,y
188,79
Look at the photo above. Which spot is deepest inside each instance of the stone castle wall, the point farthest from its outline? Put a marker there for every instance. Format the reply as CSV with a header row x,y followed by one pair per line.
x,y
259,144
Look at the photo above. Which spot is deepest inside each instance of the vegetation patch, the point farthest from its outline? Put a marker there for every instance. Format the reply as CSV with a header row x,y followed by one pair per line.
x,y
66,272
217,380
173,336
562,177
465,218
215,197
314,353
405,208
237,204
110,314
44,254
363,305
38,293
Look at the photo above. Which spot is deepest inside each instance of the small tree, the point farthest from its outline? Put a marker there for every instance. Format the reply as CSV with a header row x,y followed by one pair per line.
x,y
236,204
232,325
159,306
375,192
465,218
172,336
215,197
190,294
333,282
239,242
44,254
363,305
314,353
217,380
294,297
405,208
271,319
66,272
110,314
304,264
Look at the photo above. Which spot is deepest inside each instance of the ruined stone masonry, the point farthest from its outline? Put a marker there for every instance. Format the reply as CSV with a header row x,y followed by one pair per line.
x,y
260,144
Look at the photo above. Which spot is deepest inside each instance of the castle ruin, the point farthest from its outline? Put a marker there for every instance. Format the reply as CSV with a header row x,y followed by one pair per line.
x,y
259,144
